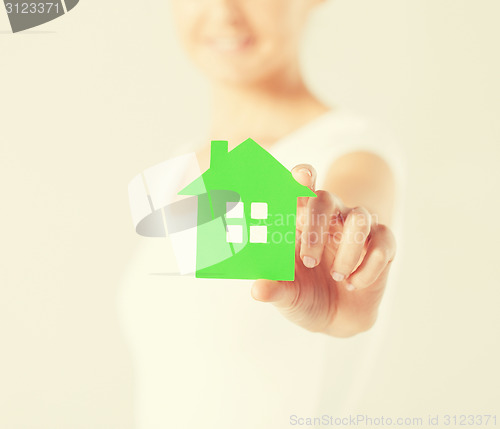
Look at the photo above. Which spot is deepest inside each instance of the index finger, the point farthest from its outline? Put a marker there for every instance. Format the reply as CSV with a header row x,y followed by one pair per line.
x,y
305,174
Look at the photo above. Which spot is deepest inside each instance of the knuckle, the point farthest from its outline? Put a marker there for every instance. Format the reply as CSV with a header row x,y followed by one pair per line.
x,y
360,217
312,238
385,231
361,212
389,238
380,256
322,202
363,279
343,266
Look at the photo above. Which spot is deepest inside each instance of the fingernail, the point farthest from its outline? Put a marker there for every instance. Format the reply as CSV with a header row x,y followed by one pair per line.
x,y
337,276
309,262
349,286
305,170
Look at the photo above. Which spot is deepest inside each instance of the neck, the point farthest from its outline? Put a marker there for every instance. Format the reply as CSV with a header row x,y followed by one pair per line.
x,y
265,111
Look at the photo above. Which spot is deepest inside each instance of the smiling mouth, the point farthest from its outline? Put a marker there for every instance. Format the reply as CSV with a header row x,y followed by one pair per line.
x,y
229,44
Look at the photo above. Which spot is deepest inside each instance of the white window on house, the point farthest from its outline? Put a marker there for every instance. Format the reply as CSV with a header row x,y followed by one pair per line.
x,y
258,234
259,210
234,233
234,210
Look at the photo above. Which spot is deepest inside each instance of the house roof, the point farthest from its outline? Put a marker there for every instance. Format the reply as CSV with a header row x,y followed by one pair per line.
x,y
248,164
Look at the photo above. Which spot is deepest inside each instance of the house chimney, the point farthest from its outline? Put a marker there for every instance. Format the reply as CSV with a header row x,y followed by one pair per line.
x,y
218,150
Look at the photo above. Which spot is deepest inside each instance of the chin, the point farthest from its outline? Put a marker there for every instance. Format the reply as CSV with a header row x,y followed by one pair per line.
x,y
239,74
235,77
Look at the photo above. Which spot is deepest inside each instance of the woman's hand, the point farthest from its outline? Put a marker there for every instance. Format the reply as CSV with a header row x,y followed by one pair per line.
x,y
342,261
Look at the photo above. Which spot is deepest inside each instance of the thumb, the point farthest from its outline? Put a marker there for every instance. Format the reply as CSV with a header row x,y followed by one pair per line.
x,y
281,294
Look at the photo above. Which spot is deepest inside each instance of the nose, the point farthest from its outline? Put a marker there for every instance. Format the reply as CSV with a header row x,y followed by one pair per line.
x,y
225,11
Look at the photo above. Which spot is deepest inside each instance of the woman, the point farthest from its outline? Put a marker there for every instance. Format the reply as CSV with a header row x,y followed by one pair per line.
x,y
206,354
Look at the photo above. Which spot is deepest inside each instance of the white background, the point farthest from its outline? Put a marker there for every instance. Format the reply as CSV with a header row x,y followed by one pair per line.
x,y
95,97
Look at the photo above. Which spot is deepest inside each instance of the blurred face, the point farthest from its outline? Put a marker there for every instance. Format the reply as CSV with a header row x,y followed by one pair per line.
x,y
241,41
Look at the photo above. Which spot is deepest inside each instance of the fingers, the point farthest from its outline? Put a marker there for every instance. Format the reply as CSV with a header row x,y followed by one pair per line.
x,y
354,235
319,213
380,253
305,174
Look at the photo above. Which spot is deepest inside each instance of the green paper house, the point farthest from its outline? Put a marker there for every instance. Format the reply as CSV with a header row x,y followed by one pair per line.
x,y
247,204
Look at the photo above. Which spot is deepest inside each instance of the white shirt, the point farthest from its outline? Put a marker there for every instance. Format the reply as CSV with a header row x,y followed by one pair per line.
x,y
206,355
